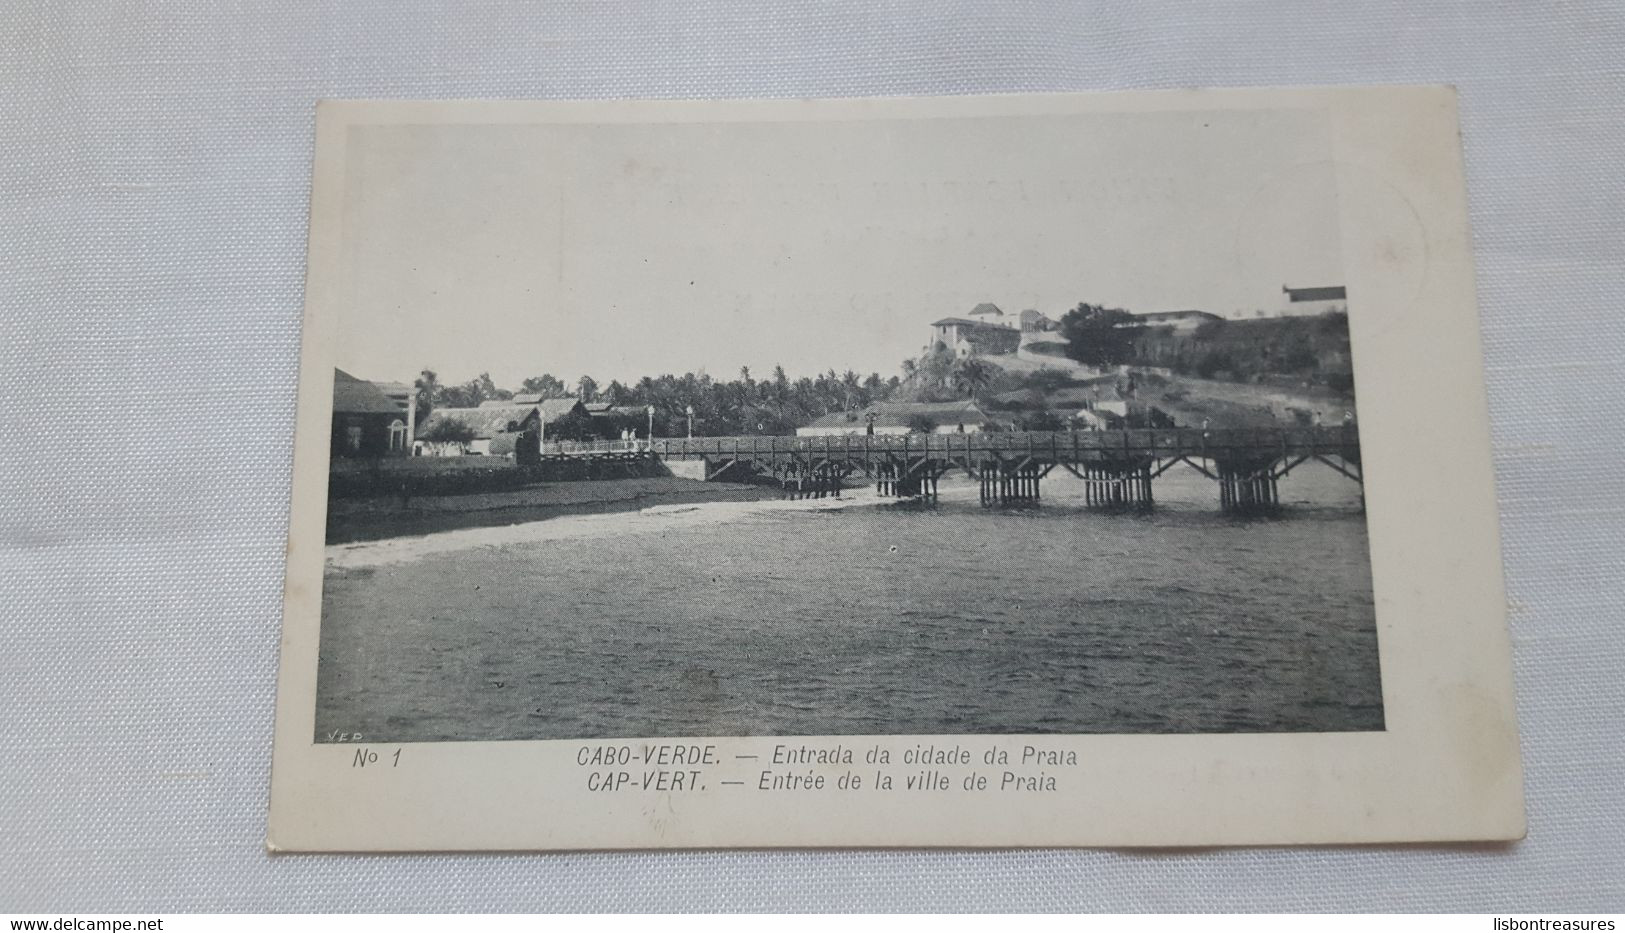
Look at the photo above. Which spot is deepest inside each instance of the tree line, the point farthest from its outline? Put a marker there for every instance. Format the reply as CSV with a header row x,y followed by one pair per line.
x,y
744,405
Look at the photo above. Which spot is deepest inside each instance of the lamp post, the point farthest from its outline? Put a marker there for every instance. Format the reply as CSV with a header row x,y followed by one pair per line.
x,y
689,411
412,424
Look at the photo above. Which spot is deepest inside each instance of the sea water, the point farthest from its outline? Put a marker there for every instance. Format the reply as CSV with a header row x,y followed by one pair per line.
x,y
854,617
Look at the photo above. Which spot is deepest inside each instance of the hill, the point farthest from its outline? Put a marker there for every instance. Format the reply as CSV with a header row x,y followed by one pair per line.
x,y
1281,351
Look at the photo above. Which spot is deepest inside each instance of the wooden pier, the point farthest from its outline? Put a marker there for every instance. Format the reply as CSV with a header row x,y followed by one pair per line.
x,y
1118,468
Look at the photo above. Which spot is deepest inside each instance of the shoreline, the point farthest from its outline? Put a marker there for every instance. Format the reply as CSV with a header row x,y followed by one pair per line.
x,y
637,512
375,519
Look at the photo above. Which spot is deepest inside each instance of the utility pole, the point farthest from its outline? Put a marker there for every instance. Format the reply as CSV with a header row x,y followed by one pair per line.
x,y
412,423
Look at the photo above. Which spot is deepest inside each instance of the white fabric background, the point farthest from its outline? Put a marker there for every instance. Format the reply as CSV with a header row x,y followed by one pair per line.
x,y
154,173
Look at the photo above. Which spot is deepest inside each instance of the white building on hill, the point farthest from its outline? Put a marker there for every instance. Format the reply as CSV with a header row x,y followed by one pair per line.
x,y
986,330
988,313
954,334
1034,321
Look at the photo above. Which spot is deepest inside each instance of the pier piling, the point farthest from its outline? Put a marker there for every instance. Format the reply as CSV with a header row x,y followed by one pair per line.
x,y
1249,488
1005,481
1116,486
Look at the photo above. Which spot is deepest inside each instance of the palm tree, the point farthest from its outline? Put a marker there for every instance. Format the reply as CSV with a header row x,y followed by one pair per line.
x,y
427,388
852,390
586,388
971,375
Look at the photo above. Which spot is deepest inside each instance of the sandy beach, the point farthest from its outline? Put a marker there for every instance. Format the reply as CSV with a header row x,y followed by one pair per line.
x,y
351,520
564,511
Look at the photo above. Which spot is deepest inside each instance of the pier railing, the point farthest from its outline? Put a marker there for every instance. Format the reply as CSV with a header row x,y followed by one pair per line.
x,y
594,447
1231,444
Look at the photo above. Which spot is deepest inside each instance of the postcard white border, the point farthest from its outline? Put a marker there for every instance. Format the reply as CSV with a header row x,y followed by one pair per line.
x,y
1446,768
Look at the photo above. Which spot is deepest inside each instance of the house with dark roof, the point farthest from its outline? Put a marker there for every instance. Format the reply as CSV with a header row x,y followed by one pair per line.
x,y
398,392
484,424
602,415
565,419
902,418
366,422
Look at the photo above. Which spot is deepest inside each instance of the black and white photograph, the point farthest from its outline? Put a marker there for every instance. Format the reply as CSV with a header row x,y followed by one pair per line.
x,y
1041,469
998,426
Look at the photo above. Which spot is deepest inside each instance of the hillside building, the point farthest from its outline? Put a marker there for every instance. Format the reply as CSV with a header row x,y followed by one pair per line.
x,y
1033,321
953,334
987,330
1306,302
988,313
895,418
1321,293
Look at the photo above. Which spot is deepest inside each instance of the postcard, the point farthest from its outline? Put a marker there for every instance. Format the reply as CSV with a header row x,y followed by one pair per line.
x,y
1032,470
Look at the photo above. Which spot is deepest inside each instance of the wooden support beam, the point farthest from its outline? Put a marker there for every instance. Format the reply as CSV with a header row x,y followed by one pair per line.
x,y
1277,474
1199,468
1357,477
